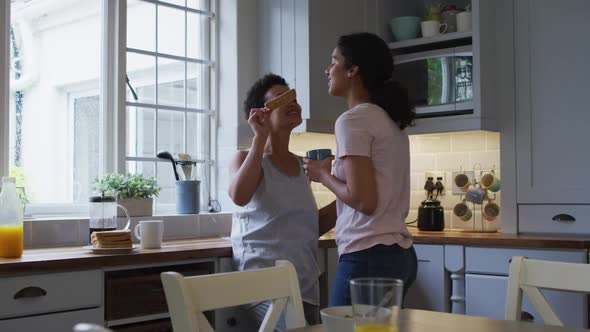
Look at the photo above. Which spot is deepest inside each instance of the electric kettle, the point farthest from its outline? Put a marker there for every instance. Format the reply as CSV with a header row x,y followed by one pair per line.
x,y
431,216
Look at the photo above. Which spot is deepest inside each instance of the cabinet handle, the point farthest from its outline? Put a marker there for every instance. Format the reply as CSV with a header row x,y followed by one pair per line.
x,y
424,260
28,292
232,321
526,316
564,217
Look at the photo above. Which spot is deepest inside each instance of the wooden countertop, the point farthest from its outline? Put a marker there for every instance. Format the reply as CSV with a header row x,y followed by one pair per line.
x,y
496,239
77,258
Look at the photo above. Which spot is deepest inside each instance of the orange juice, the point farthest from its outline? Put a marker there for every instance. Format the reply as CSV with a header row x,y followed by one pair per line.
x,y
375,328
11,241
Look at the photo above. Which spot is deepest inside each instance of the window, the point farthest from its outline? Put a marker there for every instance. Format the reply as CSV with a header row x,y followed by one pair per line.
x,y
58,117
168,102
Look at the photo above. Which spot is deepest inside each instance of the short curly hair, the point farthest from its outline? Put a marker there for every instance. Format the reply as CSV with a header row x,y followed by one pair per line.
x,y
255,96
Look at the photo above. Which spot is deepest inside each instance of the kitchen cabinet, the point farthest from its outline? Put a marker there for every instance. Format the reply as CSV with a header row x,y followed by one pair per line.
x,y
430,291
486,283
56,301
297,39
552,117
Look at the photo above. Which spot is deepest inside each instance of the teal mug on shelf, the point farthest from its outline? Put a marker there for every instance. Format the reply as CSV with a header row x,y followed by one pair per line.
x,y
405,27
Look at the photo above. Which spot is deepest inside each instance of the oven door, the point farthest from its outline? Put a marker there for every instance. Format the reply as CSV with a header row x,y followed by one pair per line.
x,y
439,82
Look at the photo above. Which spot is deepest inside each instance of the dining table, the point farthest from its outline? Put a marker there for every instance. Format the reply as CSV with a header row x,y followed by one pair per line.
x,y
412,320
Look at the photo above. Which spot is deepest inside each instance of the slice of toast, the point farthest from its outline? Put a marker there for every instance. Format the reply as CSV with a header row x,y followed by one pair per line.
x,y
281,100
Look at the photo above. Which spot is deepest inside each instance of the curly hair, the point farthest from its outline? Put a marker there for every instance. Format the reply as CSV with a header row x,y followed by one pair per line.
x,y
255,96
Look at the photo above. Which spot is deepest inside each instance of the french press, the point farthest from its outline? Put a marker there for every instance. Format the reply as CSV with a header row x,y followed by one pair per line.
x,y
103,214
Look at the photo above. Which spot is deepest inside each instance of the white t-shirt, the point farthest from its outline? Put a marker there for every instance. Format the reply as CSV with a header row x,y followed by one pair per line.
x,y
367,130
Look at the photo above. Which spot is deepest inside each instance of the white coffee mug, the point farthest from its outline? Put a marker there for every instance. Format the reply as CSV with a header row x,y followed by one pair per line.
x,y
464,21
149,233
432,28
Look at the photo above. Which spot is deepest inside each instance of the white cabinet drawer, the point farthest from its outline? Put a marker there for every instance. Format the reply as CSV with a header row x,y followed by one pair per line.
x,y
497,260
540,219
62,322
46,293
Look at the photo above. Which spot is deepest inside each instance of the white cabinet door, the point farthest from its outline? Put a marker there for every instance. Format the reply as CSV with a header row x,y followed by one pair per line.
x,y
486,297
430,290
552,107
64,321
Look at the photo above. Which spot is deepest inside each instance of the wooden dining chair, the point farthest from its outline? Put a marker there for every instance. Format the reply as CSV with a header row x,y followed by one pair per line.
x,y
189,297
528,275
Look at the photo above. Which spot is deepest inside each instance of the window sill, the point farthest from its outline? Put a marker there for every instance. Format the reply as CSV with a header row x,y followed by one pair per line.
x,y
69,230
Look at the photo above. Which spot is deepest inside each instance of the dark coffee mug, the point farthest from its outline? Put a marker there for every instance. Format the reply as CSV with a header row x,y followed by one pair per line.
x,y
319,154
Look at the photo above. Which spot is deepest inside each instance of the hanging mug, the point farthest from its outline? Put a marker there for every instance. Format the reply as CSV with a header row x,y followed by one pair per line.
x,y
476,195
491,211
462,182
462,211
490,182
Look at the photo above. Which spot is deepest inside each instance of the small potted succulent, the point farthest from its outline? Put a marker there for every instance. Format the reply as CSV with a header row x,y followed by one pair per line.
x,y
134,191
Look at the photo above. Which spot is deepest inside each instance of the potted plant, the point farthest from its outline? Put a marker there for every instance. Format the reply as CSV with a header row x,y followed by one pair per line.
x,y
134,191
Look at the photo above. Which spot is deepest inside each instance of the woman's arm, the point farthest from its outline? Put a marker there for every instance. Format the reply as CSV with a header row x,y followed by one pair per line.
x,y
245,173
246,167
327,216
360,189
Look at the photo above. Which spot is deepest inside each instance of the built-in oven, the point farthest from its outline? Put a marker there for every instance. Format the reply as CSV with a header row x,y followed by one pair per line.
x,y
439,82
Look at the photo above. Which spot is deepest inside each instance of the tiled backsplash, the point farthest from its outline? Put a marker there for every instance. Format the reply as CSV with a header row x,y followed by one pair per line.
x,y
440,153
55,233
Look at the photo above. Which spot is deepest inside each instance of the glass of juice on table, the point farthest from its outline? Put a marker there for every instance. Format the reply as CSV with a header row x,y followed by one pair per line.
x,y
11,220
376,304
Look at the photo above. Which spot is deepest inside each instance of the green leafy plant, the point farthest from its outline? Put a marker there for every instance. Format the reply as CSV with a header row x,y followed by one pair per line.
x,y
127,186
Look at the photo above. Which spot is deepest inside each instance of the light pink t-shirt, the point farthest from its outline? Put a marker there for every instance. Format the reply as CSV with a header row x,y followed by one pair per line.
x,y
367,130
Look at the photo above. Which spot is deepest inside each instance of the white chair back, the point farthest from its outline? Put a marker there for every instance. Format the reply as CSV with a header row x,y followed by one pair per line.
x,y
528,275
189,297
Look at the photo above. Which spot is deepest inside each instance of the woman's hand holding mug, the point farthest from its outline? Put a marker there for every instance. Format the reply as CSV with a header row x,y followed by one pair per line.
x,y
316,169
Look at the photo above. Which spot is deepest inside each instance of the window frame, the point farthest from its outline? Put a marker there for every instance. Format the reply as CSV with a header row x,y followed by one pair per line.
x,y
113,97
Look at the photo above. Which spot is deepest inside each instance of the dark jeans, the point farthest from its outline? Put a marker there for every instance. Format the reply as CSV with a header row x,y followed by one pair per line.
x,y
378,261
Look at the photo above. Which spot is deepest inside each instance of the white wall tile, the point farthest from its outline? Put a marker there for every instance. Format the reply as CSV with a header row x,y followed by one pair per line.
x,y
48,233
452,161
433,143
492,140
487,159
215,225
468,141
420,162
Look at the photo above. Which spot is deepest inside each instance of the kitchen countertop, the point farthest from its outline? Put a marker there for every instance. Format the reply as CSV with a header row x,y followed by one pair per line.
x,y
77,258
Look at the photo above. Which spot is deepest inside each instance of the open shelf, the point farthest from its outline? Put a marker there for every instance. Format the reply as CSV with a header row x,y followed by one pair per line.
x,y
430,40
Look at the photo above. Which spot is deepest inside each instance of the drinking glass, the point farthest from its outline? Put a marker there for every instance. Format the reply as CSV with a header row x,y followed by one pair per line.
x,y
376,304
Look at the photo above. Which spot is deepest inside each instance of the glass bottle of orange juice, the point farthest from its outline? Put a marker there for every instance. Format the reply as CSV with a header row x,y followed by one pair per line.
x,y
11,220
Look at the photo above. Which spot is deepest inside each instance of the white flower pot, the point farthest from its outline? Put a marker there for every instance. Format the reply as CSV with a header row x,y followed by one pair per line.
x,y
137,207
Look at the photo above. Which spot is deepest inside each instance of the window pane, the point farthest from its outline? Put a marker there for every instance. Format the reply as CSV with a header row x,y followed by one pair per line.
x,y
197,93
197,136
198,4
171,82
171,25
147,168
141,132
141,25
197,29
55,49
86,146
171,131
141,70
166,181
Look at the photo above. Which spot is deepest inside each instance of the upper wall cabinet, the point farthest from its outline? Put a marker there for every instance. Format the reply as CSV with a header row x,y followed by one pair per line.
x,y
552,109
453,76
297,38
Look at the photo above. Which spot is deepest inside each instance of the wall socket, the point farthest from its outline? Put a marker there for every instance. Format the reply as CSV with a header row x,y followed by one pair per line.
x,y
456,190
434,175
